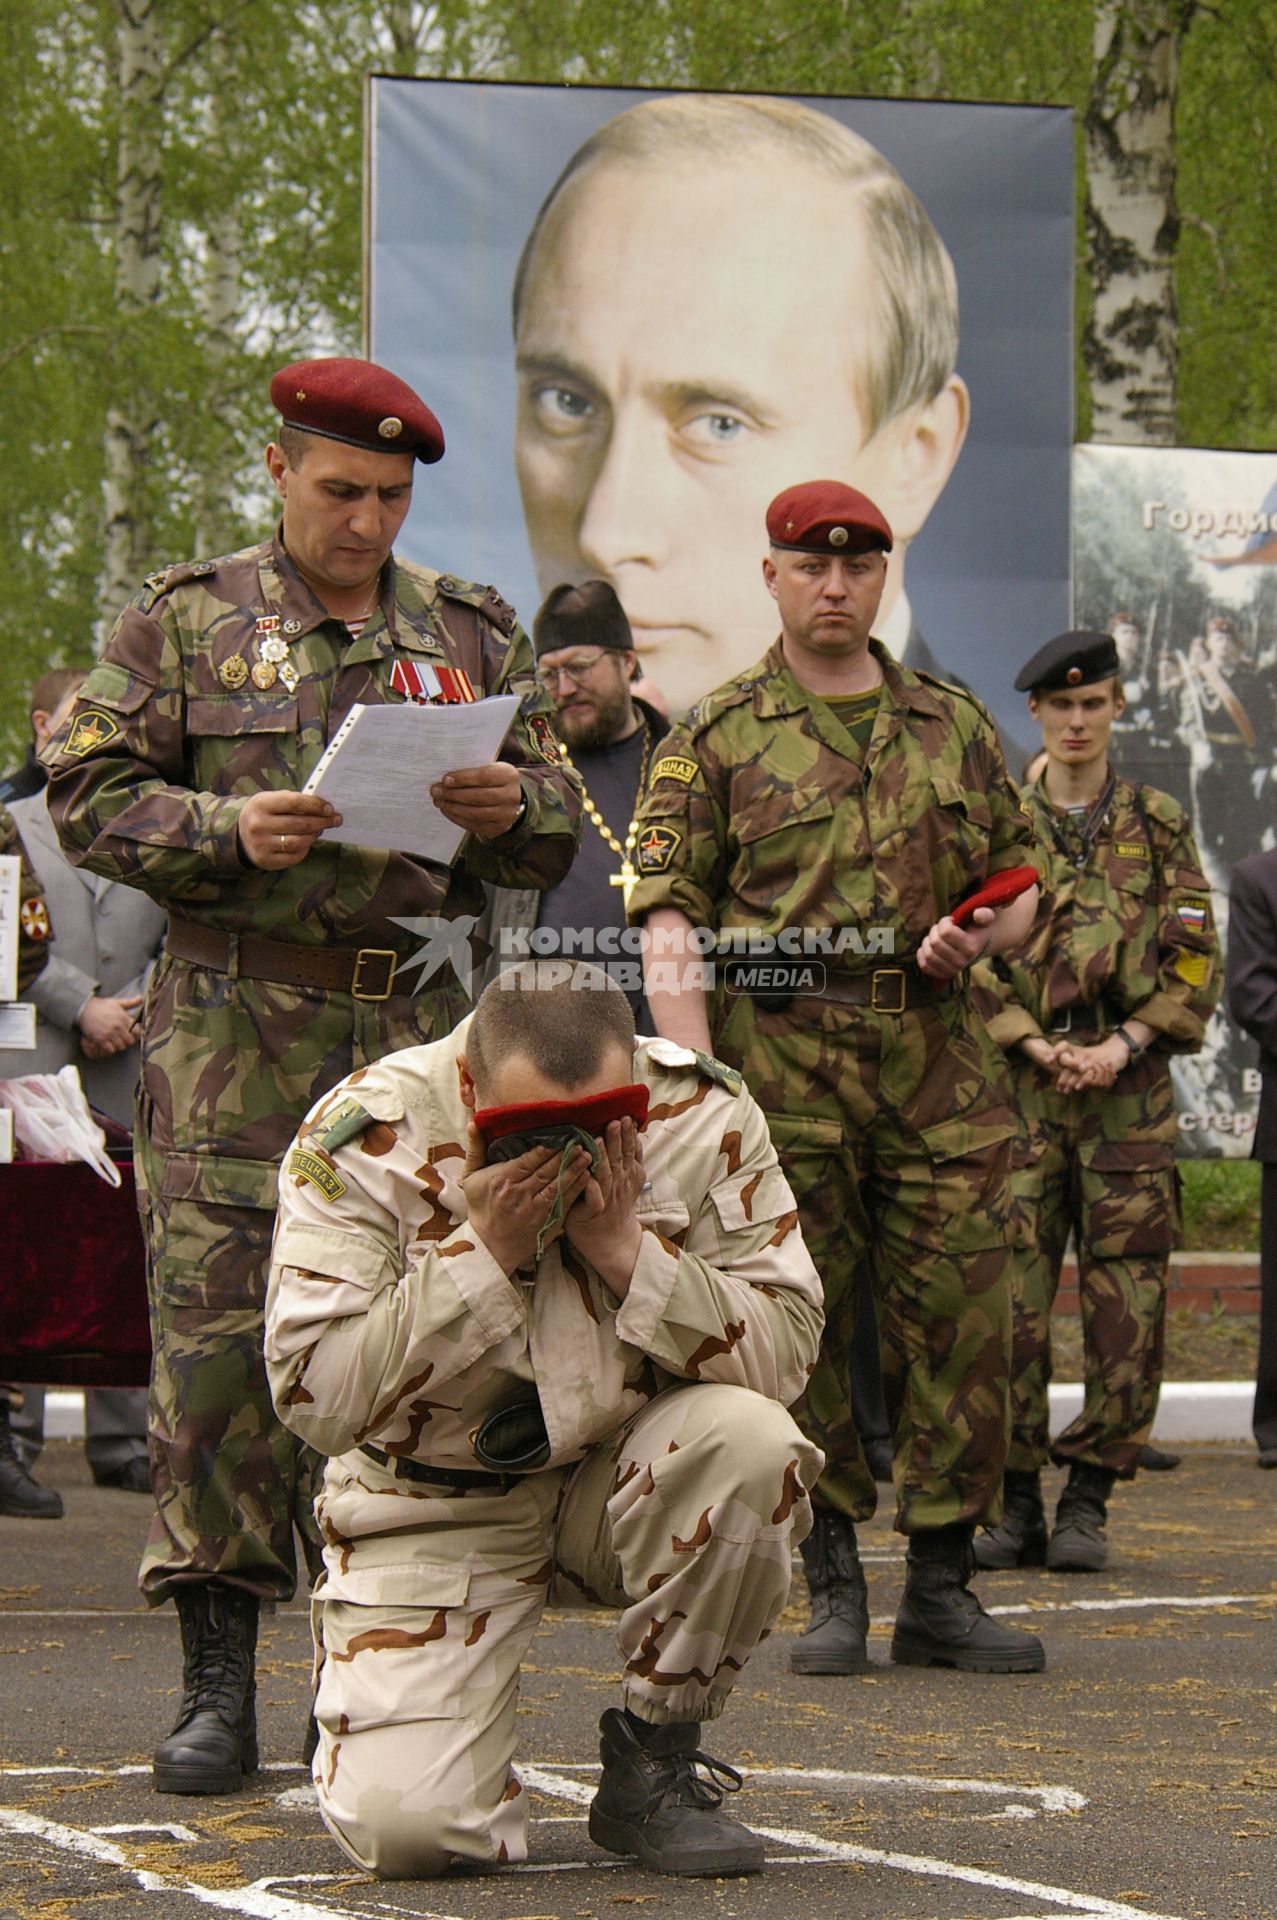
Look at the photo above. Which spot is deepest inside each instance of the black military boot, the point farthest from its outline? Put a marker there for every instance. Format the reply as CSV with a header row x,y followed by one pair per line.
x,y
835,1640
941,1623
1077,1543
214,1743
21,1497
1019,1539
652,1803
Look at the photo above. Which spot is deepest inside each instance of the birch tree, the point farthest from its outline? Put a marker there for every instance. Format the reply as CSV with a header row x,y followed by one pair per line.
x,y
1132,219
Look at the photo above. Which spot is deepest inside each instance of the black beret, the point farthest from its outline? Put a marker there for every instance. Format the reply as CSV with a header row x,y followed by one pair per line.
x,y
586,615
357,402
1070,660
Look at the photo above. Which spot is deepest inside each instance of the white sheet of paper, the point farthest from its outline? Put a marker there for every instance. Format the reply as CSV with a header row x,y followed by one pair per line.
x,y
17,1025
10,899
379,770
6,1135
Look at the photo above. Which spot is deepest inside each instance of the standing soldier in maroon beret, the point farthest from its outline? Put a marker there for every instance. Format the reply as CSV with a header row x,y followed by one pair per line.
x,y
831,797
290,960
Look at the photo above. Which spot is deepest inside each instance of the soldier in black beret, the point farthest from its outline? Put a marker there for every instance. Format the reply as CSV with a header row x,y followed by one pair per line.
x,y
1120,971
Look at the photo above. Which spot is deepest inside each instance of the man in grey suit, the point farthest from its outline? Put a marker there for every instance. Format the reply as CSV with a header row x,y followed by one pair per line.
x,y
1251,983
87,1000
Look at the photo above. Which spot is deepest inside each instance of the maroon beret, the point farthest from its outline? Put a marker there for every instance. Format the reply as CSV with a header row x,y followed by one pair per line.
x,y
358,402
824,516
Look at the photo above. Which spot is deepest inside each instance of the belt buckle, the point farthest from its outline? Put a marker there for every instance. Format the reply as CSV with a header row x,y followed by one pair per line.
x,y
369,956
887,973
1062,1025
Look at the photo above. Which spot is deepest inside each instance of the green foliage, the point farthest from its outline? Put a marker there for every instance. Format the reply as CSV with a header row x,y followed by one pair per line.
x,y
260,156
1221,1205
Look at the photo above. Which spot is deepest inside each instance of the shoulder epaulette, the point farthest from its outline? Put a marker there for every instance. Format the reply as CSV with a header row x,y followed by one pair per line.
x,y
956,691
1162,807
672,1054
485,600
718,1071
165,579
345,1123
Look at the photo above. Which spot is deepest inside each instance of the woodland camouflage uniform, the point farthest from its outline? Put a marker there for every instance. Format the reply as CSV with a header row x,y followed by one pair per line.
x,y
893,1127
1124,927
171,734
676,1482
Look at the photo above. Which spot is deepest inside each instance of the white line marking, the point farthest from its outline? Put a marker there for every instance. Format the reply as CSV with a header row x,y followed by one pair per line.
x,y
174,1832
1094,1906
1189,1602
256,1900
1053,1799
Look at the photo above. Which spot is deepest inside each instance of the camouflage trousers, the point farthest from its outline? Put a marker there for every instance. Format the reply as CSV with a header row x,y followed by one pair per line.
x,y
685,1521
229,1069
895,1133
1097,1166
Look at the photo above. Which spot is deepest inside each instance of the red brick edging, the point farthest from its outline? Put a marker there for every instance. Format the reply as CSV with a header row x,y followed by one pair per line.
x,y
1200,1282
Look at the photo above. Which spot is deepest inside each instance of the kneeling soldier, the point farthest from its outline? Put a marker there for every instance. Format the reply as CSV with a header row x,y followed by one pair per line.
x,y
541,1296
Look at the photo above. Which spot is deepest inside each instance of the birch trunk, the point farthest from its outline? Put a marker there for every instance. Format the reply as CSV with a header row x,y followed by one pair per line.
x,y
1129,347
220,292
129,427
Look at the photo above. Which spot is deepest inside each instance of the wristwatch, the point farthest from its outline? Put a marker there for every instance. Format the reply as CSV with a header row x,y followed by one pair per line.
x,y
1129,1044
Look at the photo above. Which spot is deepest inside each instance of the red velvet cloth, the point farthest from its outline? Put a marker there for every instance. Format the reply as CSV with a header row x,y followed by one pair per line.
x,y
72,1278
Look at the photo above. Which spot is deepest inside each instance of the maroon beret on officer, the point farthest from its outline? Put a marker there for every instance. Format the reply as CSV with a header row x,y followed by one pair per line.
x,y
357,402
824,516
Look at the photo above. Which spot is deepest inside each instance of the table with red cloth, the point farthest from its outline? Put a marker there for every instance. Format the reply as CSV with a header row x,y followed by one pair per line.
x,y
73,1306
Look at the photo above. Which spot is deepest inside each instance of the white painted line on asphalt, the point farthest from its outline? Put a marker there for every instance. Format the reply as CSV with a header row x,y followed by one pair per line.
x,y
255,1901
258,1902
135,1826
1052,1799
549,1780
1126,1604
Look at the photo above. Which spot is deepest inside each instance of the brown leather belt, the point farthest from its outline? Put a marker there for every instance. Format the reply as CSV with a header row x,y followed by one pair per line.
x,y
462,1477
367,973
881,989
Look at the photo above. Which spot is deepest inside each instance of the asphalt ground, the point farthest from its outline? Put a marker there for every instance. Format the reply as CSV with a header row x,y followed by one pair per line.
x,y
1137,1776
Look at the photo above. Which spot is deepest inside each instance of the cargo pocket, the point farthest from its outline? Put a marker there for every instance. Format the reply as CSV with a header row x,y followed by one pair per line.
x,y
394,1638
1129,1205
970,1190
215,1219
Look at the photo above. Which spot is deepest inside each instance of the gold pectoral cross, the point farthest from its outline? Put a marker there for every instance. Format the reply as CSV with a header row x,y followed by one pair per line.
x,y
627,879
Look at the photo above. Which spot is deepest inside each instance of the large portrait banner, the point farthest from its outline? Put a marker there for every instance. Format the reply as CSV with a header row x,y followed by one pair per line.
x,y
1175,554
639,315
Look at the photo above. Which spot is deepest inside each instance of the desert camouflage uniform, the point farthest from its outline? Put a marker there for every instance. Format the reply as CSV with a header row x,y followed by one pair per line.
x,y
34,931
170,735
676,1481
894,1128
1124,928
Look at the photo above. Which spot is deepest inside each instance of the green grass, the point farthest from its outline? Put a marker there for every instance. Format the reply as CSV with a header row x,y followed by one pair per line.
x,y
1221,1206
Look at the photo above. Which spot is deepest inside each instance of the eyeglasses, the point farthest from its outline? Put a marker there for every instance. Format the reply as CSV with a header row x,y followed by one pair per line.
x,y
577,667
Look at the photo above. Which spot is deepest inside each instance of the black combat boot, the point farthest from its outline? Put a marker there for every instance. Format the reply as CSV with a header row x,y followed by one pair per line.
x,y
21,1497
1019,1539
835,1640
942,1624
1077,1543
652,1803
214,1743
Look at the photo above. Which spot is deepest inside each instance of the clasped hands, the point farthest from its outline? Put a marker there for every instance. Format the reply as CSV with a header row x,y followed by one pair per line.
x,y
1075,1068
510,1201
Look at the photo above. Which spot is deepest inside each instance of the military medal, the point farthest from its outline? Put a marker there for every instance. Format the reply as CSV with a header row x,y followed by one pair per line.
x,y
272,650
263,675
289,675
233,672
628,878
